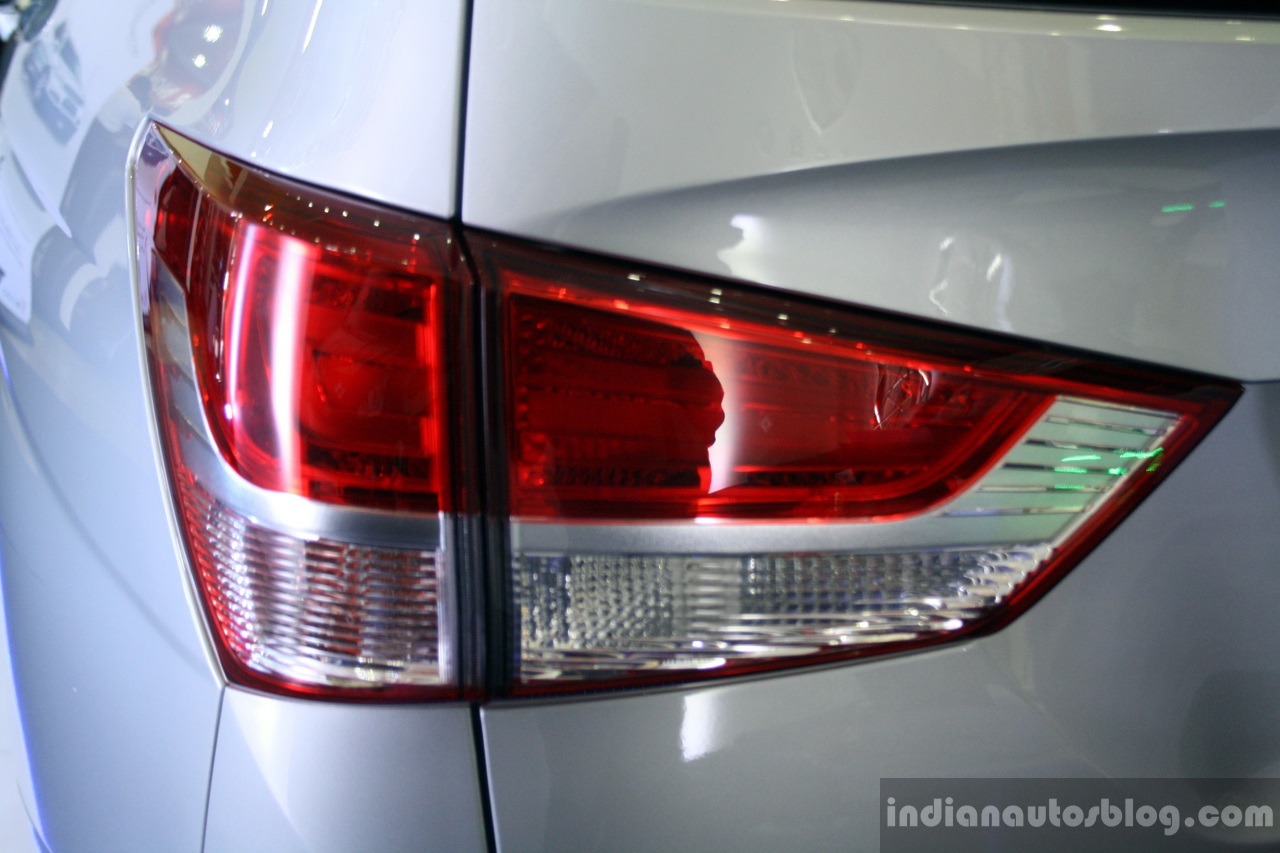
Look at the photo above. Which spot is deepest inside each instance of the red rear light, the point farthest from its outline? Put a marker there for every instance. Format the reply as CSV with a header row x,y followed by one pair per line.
x,y
626,406
317,355
694,477
297,363
709,478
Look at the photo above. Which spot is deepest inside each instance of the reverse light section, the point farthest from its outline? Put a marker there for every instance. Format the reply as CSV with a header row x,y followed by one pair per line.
x,y
710,479
593,616
293,339
311,610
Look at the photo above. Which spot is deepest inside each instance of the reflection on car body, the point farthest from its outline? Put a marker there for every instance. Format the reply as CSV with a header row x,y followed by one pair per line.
x,y
52,73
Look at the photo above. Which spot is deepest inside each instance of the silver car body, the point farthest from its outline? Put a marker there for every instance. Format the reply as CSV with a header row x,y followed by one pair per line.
x,y
1051,175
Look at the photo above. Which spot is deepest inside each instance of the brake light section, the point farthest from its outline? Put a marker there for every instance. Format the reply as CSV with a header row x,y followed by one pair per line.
x,y
734,408
317,354
683,477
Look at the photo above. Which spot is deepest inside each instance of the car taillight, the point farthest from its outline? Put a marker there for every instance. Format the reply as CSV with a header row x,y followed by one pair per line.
x,y
298,366
694,477
710,478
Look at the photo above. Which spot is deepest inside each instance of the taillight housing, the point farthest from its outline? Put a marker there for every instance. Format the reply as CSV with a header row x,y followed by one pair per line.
x,y
298,366
709,478
684,477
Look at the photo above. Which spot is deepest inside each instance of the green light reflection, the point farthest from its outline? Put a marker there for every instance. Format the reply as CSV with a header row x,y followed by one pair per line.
x,y
1185,206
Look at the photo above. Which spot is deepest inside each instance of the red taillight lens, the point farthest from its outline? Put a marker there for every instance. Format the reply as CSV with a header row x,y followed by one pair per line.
x,y
314,321
624,405
691,477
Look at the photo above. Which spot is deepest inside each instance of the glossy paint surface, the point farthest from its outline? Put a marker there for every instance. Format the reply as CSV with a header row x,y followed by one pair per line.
x,y
1155,248
1155,657
117,696
648,129
331,778
16,790
361,98
101,636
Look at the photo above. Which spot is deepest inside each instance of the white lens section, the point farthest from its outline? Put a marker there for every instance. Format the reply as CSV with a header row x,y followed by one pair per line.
x,y
316,611
701,596
599,615
1068,463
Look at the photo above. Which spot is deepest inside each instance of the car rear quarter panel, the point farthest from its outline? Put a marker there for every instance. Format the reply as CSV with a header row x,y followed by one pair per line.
x,y
814,145
118,698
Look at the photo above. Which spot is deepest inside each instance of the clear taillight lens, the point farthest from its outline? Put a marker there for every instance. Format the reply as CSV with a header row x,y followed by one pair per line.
x,y
296,356
685,477
711,478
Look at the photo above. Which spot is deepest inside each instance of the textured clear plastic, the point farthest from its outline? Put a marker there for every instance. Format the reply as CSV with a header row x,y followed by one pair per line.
x,y
598,617
604,614
315,611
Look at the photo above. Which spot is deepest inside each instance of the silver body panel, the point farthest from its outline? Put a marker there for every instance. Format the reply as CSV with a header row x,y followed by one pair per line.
x,y
646,129
333,778
118,698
